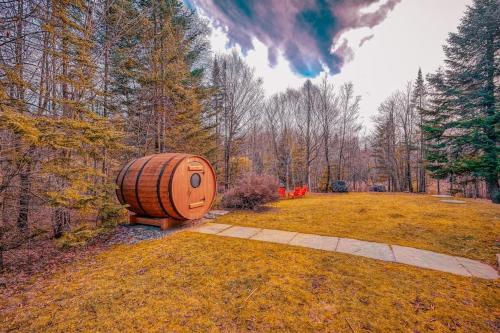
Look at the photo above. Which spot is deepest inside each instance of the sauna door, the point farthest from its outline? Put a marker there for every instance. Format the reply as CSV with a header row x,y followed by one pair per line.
x,y
197,186
193,187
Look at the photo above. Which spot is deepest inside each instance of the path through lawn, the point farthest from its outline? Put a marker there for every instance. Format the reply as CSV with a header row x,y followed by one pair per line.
x,y
469,230
380,251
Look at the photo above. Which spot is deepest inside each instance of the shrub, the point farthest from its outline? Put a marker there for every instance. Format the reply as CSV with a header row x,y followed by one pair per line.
x,y
495,197
340,186
378,188
250,192
79,236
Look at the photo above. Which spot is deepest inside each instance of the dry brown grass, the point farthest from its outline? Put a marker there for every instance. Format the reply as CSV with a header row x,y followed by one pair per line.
x,y
200,283
471,230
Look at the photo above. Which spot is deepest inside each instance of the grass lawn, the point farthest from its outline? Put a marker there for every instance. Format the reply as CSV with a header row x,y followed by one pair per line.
x,y
469,230
192,282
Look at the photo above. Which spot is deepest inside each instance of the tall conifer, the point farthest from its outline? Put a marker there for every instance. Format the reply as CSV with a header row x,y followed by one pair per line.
x,y
419,102
465,117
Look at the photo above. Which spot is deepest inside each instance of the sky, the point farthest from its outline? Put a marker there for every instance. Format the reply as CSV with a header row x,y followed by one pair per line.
x,y
378,45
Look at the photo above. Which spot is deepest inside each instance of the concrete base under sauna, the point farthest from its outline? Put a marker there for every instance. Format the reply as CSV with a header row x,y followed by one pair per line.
x,y
163,223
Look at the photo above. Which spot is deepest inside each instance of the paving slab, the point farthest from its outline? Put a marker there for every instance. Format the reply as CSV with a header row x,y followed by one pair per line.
x,y
240,232
428,259
453,201
478,269
274,236
315,241
219,212
212,228
365,249
215,213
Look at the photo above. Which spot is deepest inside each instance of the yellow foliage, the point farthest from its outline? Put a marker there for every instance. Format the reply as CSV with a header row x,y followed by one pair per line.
x,y
70,143
20,124
202,283
239,166
420,221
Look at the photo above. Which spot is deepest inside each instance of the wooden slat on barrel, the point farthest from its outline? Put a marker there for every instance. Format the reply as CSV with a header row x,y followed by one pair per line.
x,y
147,186
175,196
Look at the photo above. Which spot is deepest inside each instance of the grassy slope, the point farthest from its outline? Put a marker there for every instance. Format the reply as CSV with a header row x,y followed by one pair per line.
x,y
194,283
421,221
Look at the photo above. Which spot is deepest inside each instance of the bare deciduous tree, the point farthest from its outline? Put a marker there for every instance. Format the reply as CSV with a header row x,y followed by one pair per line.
x,y
328,113
406,122
348,120
242,98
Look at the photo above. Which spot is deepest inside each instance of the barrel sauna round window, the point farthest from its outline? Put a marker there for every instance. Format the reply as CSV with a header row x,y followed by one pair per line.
x,y
195,180
180,186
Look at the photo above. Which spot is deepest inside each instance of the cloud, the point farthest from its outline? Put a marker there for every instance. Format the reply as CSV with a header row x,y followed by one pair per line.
x,y
307,32
365,39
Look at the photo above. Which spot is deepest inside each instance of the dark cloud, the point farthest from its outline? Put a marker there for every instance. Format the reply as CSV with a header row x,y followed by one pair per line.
x,y
305,31
365,39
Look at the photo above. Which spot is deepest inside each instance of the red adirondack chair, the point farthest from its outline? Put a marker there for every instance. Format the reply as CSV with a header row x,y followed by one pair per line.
x,y
298,192
282,192
304,190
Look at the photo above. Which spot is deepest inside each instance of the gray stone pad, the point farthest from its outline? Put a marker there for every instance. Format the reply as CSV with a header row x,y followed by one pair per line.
x,y
215,213
428,259
315,242
274,236
453,201
240,232
365,249
219,212
478,269
212,228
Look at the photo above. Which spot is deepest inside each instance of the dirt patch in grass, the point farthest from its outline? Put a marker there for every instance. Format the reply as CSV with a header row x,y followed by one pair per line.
x,y
197,283
420,221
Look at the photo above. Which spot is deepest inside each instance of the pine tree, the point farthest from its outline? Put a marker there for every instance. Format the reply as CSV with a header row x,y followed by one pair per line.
x,y
181,81
467,95
419,102
156,76
434,125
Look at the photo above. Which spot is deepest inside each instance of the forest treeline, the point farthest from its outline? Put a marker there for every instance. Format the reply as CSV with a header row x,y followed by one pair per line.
x,y
88,85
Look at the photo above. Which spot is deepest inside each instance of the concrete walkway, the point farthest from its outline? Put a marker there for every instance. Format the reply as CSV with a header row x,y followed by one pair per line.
x,y
379,251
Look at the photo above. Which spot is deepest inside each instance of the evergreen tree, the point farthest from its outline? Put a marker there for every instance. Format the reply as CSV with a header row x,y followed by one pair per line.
x,y
157,76
434,126
464,122
419,102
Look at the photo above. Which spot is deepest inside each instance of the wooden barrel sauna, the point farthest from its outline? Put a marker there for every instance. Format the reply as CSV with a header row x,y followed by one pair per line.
x,y
170,185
